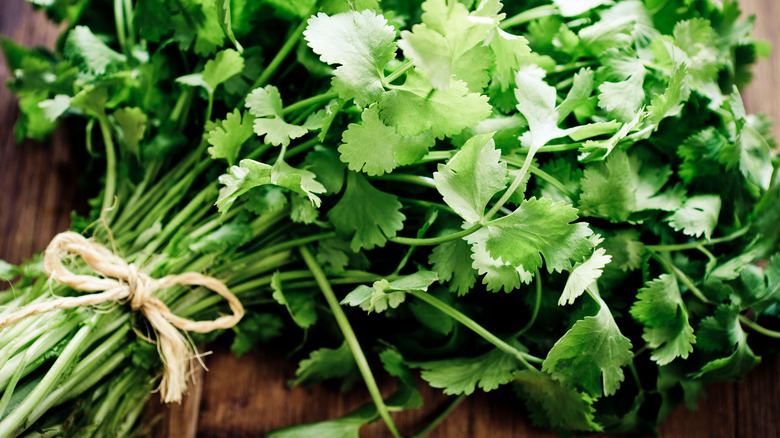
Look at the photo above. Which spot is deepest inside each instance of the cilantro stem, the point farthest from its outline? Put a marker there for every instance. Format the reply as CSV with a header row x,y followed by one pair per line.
x,y
476,328
694,245
435,240
754,325
108,194
419,180
303,147
529,15
349,336
398,72
119,21
269,70
437,156
681,276
543,175
511,190
440,417
305,103
537,305
574,66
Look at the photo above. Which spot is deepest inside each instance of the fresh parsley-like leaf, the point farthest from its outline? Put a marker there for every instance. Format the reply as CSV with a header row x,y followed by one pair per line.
x,y
583,275
463,375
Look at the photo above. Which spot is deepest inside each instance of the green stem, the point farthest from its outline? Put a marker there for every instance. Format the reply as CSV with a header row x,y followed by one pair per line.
x,y
119,22
696,244
574,66
349,336
681,276
529,15
511,190
108,195
440,417
476,328
437,156
292,40
303,147
754,325
435,240
11,424
419,180
398,72
304,103
537,305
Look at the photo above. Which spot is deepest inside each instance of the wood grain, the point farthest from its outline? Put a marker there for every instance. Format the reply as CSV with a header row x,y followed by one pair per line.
x,y
248,396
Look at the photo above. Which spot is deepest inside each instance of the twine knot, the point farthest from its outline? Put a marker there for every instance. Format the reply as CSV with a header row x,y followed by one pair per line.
x,y
122,282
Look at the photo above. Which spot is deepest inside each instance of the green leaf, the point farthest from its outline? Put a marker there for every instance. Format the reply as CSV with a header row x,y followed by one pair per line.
x,y
299,305
625,248
7,271
608,189
92,99
299,181
572,8
472,177
225,19
95,56
623,100
325,163
255,329
660,308
266,105
415,107
698,215
362,43
324,364
227,136
239,180
366,214
375,148
227,236
583,275
384,294
347,426
723,332
669,104
226,64
591,352
554,404
536,102
55,107
442,44
407,396
132,124
462,375
498,274
452,262
539,226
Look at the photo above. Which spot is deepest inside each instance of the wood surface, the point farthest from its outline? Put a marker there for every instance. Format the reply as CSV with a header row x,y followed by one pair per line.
x,y
245,397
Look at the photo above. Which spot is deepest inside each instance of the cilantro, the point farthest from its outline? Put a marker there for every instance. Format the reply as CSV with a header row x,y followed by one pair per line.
x,y
697,216
592,352
366,214
266,105
464,375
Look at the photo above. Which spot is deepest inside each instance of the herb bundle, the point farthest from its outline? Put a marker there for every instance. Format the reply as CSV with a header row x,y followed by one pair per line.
x,y
567,198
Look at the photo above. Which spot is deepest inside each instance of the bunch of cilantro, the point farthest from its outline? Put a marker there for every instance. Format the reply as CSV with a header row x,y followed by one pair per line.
x,y
566,199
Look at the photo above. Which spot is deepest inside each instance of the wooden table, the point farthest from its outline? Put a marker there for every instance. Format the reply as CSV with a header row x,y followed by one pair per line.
x,y
243,398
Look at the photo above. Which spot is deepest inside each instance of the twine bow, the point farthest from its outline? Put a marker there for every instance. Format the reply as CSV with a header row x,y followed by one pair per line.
x,y
124,282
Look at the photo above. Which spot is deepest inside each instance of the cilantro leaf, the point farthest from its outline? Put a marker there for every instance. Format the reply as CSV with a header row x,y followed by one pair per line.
x,y
497,273
698,215
723,332
375,148
452,262
608,189
227,136
299,181
266,105
660,308
591,352
407,396
583,275
226,64
536,102
539,226
253,329
472,177
623,99
415,107
362,43
669,104
384,294
132,124
239,180
84,47
368,215
299,305
462,375
625,248
324,364
554,404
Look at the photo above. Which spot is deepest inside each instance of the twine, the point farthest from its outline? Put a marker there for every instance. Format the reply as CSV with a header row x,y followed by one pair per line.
x,y
124,282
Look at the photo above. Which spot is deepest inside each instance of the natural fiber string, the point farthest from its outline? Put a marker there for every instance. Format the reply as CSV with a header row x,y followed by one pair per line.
x,y
124,282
